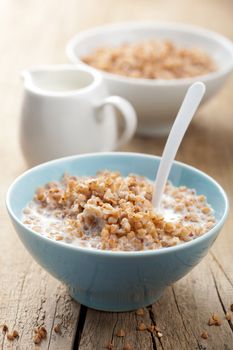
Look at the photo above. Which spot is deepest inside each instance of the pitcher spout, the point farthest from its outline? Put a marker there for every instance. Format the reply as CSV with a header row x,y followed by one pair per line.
x,y
60,80
41,80
28,77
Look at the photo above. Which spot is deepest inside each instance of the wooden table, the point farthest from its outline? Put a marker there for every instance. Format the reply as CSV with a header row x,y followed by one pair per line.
x,y
35,32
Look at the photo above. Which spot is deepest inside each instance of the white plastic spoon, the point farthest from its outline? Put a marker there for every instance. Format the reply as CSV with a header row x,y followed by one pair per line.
x,y
187,110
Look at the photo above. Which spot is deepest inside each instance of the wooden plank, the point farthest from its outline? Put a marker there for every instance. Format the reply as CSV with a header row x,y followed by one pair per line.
x,y
102,328
183,312
35,299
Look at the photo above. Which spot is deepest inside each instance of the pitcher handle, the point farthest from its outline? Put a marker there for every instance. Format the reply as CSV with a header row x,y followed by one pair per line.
x,y
129,115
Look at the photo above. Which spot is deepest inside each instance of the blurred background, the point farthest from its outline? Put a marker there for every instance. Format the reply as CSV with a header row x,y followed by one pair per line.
x,y
34,32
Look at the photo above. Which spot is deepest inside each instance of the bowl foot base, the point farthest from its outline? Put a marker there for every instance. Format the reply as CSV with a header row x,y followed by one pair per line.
x,y
114,306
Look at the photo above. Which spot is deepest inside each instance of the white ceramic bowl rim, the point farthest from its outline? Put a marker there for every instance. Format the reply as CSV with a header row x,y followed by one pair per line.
x,y
208,34
129,254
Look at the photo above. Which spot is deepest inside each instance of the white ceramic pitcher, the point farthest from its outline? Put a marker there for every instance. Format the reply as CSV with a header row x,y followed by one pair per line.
x,y
67,110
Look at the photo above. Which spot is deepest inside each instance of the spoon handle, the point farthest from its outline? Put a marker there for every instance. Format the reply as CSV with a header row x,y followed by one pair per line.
x,y
186,112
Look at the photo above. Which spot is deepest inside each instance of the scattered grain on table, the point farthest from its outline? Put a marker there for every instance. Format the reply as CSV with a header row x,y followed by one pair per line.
x,y
204,335
140,312
109,346
13,335
120,333
141,327
5,328
159,334
40,334
57,328
10,336
214,320
127,347
37,339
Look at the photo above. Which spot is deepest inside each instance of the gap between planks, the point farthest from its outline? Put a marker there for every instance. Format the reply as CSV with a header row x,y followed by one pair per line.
x,y
182,313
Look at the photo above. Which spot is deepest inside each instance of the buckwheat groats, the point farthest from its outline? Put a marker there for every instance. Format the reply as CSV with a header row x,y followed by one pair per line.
x,y
112,212
152,59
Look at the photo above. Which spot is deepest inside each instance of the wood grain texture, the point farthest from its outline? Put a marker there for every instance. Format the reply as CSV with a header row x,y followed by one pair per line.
x,y
102,328
34,32
29,299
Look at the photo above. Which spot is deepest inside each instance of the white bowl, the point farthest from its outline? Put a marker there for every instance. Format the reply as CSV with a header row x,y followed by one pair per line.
x,y
156,101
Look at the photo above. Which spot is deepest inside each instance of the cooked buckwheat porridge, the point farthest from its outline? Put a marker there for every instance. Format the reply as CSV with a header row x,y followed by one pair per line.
x,y
112,212
152,59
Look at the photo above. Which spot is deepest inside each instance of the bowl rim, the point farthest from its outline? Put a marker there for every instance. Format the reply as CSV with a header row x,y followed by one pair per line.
x,y
130,254
191,29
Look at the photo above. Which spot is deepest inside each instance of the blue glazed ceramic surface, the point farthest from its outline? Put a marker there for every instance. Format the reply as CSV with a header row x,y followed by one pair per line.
x,y
105,280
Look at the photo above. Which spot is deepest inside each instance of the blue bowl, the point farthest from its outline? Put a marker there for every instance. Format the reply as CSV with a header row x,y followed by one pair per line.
x,y
106,280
